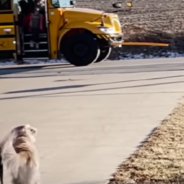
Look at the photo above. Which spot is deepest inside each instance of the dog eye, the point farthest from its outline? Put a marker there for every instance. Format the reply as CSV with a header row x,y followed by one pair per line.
x,y
32,131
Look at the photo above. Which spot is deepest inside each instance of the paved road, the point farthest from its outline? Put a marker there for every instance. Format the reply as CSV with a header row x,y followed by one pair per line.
x,y
90,119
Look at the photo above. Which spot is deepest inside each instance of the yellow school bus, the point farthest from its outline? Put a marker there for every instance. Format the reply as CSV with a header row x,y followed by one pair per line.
x,y
82,36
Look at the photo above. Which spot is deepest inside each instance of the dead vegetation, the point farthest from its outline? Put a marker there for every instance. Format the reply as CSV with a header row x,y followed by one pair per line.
x,y
161,158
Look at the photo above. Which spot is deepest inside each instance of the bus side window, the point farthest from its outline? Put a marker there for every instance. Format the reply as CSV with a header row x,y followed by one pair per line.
x,y
5,5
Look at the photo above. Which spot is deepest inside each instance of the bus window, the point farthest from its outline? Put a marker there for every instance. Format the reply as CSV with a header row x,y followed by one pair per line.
x,y
5,5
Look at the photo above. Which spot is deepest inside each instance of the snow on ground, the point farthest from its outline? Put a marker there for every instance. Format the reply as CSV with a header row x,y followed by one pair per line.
x,y
142,56
120,57
33,62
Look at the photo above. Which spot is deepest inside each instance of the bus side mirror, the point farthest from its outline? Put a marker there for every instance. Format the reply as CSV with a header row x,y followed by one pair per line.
x,y
117,5
73,3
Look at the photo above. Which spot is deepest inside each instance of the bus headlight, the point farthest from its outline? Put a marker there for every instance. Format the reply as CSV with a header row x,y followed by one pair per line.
x,y
107,30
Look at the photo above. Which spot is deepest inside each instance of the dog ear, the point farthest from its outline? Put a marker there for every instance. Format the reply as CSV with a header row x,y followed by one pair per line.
x,y
22,131
27,126
18,128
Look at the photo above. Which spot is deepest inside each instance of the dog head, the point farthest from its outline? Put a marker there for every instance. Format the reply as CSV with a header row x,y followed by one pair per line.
x,y
26,131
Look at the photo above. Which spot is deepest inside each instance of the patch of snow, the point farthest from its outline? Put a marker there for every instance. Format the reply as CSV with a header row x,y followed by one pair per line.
x,y
33,62
7,63
122,56
143,56
52,61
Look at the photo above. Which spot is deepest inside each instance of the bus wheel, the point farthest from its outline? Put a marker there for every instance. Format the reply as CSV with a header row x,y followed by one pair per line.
x,y
81,49
104,54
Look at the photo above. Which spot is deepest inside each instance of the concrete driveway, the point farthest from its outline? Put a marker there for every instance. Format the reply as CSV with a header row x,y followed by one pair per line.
x,y
90,119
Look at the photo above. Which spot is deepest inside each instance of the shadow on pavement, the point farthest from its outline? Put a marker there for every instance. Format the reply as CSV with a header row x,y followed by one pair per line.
x,y
93,90
102,69
15,70
5,71
75,93
47,89
83,95
133,80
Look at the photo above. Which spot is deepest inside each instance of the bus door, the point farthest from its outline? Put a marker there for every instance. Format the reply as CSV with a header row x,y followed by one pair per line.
x,y
7,28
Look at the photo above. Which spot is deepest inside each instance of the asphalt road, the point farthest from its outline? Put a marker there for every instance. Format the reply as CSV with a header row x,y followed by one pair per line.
x,y
90,119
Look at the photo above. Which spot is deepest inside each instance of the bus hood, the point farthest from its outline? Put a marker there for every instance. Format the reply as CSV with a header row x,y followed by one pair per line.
x,y
82,14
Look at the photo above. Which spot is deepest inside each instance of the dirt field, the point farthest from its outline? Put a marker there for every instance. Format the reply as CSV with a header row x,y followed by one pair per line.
x,y
148,20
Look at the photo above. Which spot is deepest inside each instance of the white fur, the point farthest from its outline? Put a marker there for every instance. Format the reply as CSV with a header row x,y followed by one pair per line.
x,y
23,165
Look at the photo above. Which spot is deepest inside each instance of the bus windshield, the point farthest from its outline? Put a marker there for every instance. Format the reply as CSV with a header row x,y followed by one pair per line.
x,y
61,3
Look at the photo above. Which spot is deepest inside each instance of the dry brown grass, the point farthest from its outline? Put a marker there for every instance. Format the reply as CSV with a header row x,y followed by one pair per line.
x,y
161,158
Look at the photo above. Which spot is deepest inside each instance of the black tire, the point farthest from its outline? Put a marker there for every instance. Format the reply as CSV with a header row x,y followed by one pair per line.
x,y
81,49
104,54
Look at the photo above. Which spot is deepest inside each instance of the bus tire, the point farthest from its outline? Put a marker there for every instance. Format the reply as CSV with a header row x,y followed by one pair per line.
x,y
81,49
104,54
